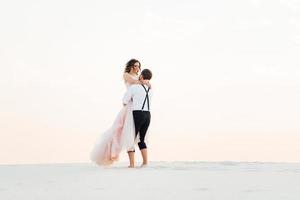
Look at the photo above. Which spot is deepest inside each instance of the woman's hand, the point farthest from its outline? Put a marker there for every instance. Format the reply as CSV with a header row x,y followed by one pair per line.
x,y
146,83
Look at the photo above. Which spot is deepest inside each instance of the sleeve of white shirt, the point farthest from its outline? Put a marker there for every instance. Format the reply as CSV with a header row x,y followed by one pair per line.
x,y
128,95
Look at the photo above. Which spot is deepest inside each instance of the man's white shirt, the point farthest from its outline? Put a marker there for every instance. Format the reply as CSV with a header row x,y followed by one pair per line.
x,y
137,94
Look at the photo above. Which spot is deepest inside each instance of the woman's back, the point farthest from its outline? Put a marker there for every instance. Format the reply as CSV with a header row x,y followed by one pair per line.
x,y
127,83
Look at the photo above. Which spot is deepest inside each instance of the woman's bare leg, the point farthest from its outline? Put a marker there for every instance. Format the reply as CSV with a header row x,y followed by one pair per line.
x,y
131,159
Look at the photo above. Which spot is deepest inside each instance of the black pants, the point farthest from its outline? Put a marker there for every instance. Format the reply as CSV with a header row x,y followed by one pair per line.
x,y
141,122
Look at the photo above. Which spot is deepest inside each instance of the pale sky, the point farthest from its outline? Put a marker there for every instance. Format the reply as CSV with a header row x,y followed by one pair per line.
x,y
226,77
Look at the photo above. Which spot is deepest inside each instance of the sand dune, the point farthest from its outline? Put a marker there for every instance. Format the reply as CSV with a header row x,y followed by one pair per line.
x,y
161,180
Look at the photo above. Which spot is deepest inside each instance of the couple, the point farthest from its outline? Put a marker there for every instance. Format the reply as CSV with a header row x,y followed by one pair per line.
x,y
132,122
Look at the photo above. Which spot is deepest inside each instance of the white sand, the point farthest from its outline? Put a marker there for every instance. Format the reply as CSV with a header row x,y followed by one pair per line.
x,y
161,180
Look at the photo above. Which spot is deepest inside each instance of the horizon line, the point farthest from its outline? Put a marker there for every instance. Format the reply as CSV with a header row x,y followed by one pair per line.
x,y
157,161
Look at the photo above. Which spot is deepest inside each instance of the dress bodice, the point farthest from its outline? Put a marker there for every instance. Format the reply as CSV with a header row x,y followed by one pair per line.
x,y
135,77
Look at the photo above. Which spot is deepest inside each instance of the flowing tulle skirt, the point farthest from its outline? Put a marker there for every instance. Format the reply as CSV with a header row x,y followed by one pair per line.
x,y
121,135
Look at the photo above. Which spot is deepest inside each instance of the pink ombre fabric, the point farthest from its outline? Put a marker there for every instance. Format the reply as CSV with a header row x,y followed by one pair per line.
x,y
121,135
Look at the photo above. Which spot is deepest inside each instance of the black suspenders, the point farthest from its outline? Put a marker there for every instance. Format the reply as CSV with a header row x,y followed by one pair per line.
x,y
146,98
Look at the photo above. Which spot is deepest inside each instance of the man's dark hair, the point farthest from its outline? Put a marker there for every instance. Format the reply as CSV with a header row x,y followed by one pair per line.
x,y
147,74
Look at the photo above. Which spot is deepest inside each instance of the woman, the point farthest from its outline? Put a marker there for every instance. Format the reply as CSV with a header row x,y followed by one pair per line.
x,y
121,134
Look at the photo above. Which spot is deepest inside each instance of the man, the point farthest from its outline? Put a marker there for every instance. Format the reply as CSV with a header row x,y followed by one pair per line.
x,y
141,96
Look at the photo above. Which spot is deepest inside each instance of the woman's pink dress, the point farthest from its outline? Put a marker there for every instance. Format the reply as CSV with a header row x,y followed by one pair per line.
x,y
121,135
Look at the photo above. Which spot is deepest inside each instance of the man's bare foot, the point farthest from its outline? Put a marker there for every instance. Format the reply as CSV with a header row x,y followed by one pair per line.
x,y
131,166
144,165
145,156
